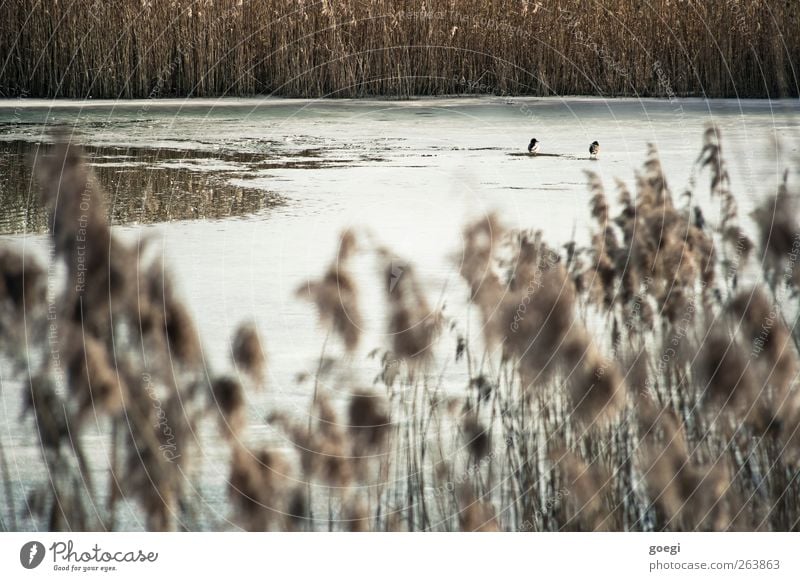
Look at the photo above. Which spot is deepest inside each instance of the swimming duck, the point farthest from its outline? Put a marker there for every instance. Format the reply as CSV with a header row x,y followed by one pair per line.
x,y
594,149
533,146
699,219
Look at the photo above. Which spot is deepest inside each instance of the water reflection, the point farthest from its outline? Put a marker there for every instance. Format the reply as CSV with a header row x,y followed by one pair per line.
x,y
143,185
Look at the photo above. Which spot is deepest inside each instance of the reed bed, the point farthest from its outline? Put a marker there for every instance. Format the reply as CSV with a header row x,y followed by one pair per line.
x,y
161,193
645,382
356,48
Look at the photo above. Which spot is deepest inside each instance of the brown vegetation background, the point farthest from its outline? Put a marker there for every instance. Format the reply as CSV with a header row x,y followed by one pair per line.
x,y
355,48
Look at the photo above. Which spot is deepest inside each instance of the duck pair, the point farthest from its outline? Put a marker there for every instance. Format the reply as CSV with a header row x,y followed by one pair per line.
x,y
533,148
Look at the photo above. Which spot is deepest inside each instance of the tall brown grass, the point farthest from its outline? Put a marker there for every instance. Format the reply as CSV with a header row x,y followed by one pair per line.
x,y
353,48
632,384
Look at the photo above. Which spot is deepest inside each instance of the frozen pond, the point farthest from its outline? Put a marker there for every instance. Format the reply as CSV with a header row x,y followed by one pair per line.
x,y
249,197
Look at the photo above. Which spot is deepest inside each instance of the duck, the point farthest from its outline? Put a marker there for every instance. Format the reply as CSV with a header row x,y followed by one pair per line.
x,y
533,146
594,149
699,219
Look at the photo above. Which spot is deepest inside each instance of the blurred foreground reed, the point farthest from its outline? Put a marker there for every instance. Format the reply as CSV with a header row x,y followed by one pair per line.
x,y
645,382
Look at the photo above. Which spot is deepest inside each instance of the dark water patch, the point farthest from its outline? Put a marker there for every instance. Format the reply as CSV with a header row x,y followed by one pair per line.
x,y
525,154
139,188
302,164
476,149
461,148
309,153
